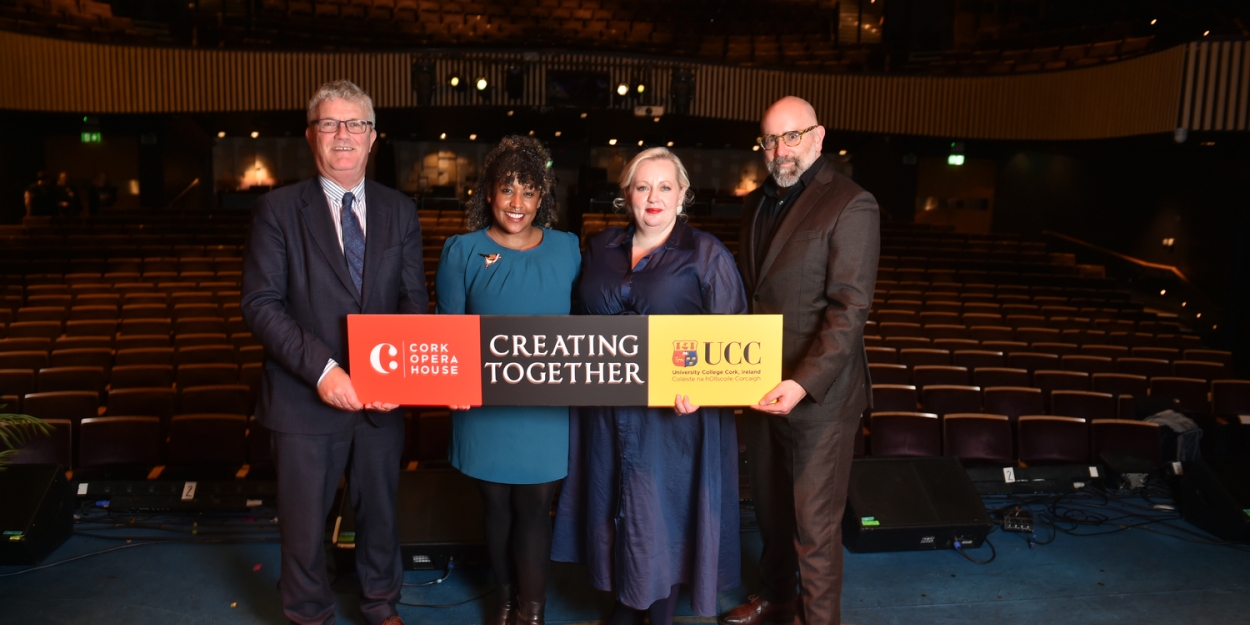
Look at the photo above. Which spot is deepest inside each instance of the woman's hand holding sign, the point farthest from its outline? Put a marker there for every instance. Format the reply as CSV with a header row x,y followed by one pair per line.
x,y
683,406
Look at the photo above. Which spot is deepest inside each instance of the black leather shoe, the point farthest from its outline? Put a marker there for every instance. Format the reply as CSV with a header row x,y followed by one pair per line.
x,y
505,612
531,613
758,611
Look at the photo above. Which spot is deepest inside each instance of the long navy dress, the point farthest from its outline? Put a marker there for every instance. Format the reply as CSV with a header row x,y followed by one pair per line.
x,y
651,499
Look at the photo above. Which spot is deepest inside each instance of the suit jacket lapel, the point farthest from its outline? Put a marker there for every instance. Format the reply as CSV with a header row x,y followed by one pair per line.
x,y
320,224
795,216
376,227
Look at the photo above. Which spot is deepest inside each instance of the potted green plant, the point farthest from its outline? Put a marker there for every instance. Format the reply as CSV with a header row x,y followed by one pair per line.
x,y
15,430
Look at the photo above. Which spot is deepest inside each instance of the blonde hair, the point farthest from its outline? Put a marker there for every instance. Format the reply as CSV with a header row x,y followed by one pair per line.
x,y
341,90
631,170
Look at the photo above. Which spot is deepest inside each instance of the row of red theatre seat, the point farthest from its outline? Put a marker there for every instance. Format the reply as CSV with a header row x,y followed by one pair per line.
x,y
203,445
1045,379
109,360
1070,345
1035,355
884,359
18,382
1112,396
1026,334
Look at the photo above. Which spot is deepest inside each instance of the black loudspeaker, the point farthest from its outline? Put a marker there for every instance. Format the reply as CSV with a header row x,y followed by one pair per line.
x,y
1215,496
440,518
912,504
36,512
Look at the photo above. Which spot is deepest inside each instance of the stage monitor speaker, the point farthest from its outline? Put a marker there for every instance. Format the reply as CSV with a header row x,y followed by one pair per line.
x,y
1215,496
440,517
36,512
912,504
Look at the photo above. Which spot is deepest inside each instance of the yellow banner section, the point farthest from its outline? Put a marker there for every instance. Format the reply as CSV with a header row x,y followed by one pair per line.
x,y
718,360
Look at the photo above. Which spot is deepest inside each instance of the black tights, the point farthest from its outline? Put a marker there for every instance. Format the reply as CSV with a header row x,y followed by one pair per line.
x,y
661,612
518,535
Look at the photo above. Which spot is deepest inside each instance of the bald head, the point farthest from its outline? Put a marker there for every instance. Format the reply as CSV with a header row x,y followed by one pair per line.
x,y
786,162
788,110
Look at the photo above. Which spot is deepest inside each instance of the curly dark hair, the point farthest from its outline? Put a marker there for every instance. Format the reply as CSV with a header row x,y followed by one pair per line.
x,y
520,159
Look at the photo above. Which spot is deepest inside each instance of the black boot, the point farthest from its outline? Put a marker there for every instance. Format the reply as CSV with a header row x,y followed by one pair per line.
x,y
505,612
531,613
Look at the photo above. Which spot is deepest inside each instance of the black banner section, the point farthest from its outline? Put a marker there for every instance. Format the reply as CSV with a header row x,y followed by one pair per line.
x,y
595,361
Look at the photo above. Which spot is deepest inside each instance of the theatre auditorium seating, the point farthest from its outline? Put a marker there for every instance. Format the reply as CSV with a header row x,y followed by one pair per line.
x,y
989,348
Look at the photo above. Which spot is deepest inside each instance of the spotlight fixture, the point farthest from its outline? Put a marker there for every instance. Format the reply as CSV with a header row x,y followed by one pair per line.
x,y
255,134
670,144
221,134
481,84
655,119
454,81
640,88
531,133
755,148
1205,33
558,133
442,135
473,137
583,116
622,90
611,141
1154,21
1163,291
640,143
841,152
510,113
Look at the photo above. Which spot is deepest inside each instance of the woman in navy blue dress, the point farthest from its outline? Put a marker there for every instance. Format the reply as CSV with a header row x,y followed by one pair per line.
x,y
651,500
512,264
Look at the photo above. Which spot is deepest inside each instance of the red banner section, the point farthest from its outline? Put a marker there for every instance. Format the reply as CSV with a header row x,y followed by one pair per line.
x,y
416,360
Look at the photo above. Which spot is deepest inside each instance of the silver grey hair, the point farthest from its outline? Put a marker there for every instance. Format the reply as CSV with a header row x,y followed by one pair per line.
x,y
631,170
341,90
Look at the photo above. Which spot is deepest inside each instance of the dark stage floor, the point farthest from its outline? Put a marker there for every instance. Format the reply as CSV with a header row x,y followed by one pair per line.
x,y
1137,576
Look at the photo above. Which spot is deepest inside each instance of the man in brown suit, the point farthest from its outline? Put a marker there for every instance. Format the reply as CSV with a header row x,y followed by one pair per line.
x,y
810,244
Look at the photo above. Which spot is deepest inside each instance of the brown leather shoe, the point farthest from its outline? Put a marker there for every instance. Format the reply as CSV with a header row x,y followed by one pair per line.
x,y
392,620
757,611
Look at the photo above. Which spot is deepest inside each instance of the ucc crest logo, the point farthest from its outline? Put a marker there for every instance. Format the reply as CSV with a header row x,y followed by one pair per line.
x,y
685,353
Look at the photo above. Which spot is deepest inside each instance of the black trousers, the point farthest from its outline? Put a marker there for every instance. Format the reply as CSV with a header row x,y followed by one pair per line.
x,y
799,473
309,468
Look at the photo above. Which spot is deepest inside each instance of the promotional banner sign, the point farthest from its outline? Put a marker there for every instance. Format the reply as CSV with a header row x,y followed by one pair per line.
x,y
442,360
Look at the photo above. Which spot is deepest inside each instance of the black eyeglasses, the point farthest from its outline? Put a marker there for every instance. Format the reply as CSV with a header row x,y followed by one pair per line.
x,y
792,138
354,126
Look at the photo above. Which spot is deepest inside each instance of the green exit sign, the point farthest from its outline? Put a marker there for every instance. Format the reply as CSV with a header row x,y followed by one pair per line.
x,y
91,137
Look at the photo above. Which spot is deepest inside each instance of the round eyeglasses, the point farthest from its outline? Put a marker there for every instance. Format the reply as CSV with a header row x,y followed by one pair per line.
x,y
791,138
354,126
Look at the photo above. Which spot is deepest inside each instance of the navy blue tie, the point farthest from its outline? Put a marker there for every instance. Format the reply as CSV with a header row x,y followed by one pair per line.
x,y
353,241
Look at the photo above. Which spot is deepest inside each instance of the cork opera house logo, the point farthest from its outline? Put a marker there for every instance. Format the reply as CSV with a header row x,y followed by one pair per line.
x,y
375,358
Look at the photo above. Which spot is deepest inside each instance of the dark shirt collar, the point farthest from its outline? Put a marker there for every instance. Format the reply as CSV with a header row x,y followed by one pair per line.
x,y
770,185
681,238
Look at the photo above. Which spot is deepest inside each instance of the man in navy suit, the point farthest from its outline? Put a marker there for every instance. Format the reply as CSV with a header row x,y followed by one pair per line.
x,y
320,250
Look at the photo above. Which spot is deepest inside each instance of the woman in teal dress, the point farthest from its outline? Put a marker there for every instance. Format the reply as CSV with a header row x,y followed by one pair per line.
x,y
511,263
